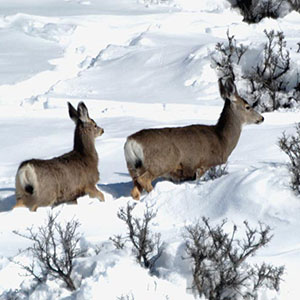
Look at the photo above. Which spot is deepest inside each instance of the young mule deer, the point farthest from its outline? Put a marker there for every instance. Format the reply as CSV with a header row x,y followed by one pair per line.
x,y
63,178
183,153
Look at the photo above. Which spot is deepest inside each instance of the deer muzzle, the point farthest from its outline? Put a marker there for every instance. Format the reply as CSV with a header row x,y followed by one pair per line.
x,y
260,120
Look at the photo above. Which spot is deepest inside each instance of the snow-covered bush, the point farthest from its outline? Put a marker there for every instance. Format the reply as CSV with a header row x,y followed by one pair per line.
x,y
295,4
54,249
219,266
146,246
255,10
227,56
271,83
291,146
268,80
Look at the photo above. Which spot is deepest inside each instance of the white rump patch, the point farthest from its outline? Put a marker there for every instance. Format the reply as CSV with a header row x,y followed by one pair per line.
x,y
133,152
27,176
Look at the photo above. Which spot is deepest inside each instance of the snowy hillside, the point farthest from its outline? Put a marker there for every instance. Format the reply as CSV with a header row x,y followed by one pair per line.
x,y
136,64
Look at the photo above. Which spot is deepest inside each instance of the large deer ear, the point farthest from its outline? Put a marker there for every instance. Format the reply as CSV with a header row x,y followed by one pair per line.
x,y
227,89
83,113
73,113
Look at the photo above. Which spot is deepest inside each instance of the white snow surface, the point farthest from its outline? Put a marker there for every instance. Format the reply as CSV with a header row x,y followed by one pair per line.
x,y
136,64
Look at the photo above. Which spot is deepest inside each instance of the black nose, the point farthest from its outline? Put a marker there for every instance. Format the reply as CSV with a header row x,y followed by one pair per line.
x,y
260,121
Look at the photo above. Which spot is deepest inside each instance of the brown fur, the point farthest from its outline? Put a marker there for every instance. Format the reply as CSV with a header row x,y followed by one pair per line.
x,y
64,178
183,153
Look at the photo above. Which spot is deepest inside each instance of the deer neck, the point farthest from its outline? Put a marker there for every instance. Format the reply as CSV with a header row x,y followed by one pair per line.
x,y
84,144
228,128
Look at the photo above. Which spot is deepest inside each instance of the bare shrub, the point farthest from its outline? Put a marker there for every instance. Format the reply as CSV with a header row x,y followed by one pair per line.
x,y
268,79
119,241
290,145
295,4
227,56
54,249
220,270
214,173
254,11
146,246
271,83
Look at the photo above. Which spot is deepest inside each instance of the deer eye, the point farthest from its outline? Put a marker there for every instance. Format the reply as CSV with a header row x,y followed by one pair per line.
x,y
247,107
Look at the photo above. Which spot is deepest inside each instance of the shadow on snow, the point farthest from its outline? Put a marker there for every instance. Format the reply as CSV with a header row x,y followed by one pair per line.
x,y
7,203
117,190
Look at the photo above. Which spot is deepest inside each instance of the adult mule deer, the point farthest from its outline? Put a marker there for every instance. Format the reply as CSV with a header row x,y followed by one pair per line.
x,y
63,178
183,153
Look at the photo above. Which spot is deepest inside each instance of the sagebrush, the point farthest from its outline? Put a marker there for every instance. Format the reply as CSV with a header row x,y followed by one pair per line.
x,y
219,261
268,84
290,145
227,56
54,249
253,11
268,79
147,246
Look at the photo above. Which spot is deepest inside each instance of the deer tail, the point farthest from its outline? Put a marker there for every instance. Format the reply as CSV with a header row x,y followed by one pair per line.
x,y
134,154
26,178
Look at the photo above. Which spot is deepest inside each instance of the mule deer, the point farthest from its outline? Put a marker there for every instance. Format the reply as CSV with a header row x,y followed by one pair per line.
x,y
184,153
63,178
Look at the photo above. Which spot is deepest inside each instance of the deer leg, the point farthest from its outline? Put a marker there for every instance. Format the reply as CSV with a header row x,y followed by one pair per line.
x,y
137,188
72,202
145,180
136,191
93,192
34,208
188,174
183,174
176,174
19,203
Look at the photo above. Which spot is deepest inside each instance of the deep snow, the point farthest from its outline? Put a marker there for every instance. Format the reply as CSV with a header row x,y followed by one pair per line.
x,y
136,66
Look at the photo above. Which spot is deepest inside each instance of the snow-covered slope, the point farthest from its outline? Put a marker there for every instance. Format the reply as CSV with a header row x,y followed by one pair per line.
x,y
136,66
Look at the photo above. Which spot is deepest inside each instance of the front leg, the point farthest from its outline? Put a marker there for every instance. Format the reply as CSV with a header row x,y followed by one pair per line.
x,y
34,208
145,181
200,172
183,174
93,192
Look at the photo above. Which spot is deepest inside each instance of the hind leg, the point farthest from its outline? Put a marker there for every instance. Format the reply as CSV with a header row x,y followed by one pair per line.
x,y
145,180
140,182
19,203
93,192
137,188
136,191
